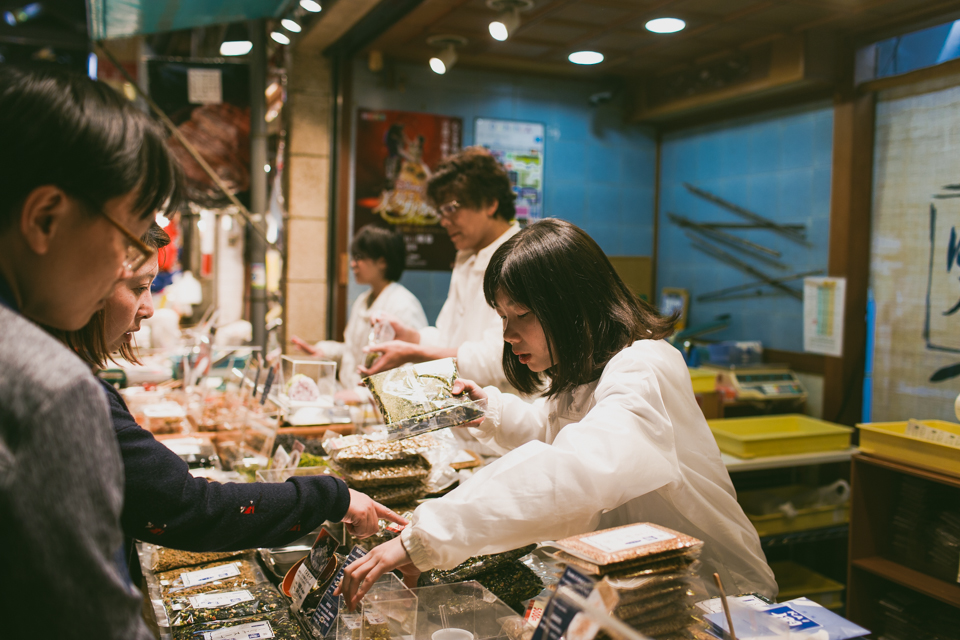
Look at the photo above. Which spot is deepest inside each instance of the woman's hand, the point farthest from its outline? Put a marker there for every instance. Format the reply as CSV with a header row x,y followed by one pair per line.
x,y
401,331
363,515
360,576
392,354
474,391
306,347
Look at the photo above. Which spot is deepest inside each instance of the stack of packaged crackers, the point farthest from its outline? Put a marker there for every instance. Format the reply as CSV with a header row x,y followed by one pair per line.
x,y
647,568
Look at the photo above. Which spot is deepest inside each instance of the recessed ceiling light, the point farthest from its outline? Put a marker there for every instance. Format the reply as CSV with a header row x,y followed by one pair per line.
x,y
665,25
279,37
290,25
585,57
311,6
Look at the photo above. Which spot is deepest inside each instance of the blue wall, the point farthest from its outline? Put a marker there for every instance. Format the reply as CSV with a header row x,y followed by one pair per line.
x,y
778,166
599,172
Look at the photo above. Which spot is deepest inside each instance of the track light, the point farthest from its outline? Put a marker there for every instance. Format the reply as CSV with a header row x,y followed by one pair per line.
x,y
311,6
444,60
236,41
508,19
280,38
290,25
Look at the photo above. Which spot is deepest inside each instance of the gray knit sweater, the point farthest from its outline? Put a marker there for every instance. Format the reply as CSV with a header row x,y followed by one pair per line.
x,y
61,493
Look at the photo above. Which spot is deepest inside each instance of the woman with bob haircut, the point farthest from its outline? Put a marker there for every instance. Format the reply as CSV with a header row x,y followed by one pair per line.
x,y
163,503
618,437
377,258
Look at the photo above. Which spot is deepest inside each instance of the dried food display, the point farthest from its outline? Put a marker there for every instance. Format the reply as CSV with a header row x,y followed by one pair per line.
x,y
388,473
365,451
165,559
222,605
397,495
215,576
502,574
279,624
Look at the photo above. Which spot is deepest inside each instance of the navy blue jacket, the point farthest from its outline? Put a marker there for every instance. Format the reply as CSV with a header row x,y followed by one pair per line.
x,y
165,505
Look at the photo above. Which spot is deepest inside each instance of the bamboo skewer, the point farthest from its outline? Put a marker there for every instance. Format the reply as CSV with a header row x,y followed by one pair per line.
x,y
726,607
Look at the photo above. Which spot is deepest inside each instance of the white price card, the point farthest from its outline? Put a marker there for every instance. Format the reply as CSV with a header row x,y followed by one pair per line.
x,y
216,600
303,584
194,578
627,538
249,631
204,86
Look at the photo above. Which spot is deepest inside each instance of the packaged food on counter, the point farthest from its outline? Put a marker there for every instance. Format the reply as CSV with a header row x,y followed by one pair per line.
x,y
313,446
472,567
222,605
165,559
630,547
279,625
164,417
502,574
364,450
418,398
226,575
397,495
388,473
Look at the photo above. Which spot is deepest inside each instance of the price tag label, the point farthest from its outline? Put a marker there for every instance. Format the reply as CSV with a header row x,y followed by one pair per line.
x,y
558,614
249,631
194,578
303,584
216,600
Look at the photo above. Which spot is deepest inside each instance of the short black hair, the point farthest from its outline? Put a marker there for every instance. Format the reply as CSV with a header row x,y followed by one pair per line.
x,y
63,129
155,237
476,179
588,315
378,242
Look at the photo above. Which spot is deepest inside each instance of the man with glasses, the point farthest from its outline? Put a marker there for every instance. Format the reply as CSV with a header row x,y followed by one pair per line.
x,y
84,174
472,192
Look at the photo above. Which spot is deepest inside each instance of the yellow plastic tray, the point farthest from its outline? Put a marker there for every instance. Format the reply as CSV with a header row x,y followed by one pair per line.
x,y
778,523
889,440
797,581
778,435
704,380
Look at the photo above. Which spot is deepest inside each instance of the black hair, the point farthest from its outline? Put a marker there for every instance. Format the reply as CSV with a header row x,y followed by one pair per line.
x,y
588,315
60,128
476,179
377,242
155,237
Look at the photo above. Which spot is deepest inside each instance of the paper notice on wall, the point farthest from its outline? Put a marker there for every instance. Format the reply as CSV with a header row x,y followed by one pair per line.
x,y
823,304
204,86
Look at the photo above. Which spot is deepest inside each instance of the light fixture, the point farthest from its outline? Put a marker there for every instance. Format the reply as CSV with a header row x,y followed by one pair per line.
x,y
23,14
665,25
290,25
266,168
236,41
92,65
311,6
585,57
508,19
444,60
280,38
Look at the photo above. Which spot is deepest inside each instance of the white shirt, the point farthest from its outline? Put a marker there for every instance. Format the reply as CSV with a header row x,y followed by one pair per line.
x,y
630,447
467,323
395,300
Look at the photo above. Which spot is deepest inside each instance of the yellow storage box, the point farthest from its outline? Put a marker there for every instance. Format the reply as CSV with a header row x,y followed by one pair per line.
x,y
797,581
761,507
704,380
897,441
778,435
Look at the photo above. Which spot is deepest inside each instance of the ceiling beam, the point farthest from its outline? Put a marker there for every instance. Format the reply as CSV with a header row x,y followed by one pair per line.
x,y
336,21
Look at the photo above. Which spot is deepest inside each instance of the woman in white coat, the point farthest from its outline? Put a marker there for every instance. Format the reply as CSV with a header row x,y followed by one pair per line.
x,y
378,257
616,439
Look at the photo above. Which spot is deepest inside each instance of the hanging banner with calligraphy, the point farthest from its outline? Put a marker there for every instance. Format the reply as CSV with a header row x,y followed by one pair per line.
x,y
396,152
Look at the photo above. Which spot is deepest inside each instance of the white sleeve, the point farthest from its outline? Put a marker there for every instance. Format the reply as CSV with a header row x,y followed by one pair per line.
x,y
510,422
482,360
622,449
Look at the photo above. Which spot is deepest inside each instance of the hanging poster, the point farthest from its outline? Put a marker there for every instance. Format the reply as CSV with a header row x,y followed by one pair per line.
x,y
519,146
823,304
396,153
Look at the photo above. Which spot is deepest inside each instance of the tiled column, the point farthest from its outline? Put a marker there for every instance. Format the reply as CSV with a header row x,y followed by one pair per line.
x,y
309,108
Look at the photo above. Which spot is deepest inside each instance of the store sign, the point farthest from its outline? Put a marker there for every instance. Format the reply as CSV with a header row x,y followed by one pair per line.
x,y
396,153
519,147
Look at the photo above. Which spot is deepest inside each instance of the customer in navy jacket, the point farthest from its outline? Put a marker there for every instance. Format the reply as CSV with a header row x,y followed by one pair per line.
x,y
163,502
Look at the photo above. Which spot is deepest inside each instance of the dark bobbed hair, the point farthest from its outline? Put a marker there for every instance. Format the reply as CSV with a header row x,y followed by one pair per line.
x,y
377,242
63,129
588,315
90,341
476,179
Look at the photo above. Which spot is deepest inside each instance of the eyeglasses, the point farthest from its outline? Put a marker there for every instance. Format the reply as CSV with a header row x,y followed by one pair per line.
x,y
137,253
449,209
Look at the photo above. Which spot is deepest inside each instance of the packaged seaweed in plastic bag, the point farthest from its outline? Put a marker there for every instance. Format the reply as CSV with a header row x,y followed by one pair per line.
x,y
417,398
216,576
222,605
279,625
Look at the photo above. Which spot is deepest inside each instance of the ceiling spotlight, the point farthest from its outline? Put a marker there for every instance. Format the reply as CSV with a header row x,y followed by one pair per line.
x,y
311,6
585,57
509,19
279,37
290,25
236,41
665,25
447,56
23,14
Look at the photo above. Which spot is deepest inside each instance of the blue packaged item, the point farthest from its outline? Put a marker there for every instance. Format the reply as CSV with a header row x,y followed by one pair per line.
x,y
797,619
735,353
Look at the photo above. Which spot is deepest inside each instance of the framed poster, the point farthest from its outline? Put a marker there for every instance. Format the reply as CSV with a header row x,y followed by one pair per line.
x,y
519,146
396,153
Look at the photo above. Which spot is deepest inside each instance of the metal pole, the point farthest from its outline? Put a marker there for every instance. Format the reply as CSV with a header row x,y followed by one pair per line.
x,y
257,249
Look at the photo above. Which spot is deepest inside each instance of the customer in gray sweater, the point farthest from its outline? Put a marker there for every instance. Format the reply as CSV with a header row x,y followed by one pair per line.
x,y
82,174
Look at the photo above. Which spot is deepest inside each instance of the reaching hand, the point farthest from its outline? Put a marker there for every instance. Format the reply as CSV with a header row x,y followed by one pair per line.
x,y
360,576
363,515
393,354
472,389
306,347
401,331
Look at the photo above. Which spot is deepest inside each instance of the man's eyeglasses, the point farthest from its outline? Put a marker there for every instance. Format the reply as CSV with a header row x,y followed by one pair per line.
x,y
449,209
137,253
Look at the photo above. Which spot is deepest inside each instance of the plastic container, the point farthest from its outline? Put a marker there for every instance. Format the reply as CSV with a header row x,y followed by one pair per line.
x,y
704,380
756,504
890,440
797,581
389,610
778,435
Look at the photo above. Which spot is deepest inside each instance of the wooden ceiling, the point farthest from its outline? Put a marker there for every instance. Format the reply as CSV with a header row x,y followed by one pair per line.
x,y
554,28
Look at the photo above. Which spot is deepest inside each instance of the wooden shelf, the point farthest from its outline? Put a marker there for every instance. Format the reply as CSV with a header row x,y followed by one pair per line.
x,y
908,469
920,582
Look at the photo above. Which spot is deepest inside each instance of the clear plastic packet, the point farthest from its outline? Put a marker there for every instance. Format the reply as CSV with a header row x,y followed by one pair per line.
x,y
472,567
165,559
215,576
628,547
670,602
513,582
278,625
222,605
364,450
418,398
380,331
648,588
391,496
387,473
